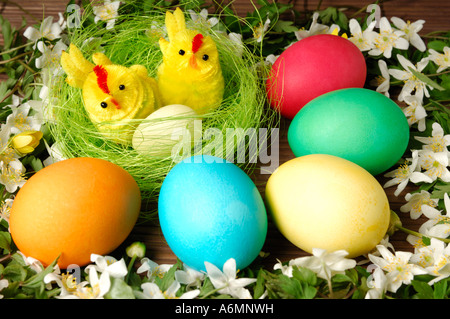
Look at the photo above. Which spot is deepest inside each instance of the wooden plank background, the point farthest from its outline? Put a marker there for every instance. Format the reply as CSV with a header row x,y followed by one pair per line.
x,y
435,13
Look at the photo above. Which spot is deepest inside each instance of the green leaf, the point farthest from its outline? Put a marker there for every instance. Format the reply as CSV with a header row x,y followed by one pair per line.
x,y
440,289
285,26
119,290
259,285
437,45
422,77
305,275
424,290
37,280
7,33
14,272
440,190
5,241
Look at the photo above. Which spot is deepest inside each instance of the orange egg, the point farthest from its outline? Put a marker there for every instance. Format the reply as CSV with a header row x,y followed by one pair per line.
x,y
74,208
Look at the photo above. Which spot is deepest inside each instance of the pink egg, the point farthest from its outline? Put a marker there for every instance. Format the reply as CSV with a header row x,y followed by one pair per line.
x,y
311,67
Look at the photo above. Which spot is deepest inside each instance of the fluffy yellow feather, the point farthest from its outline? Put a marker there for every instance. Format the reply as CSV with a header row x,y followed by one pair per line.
x,y
190,73
112,94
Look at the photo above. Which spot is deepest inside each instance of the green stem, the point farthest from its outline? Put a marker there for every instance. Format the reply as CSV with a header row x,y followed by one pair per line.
x,y
130,265
417,234
27,67
440,73
16,48
16,57
319,5
212,292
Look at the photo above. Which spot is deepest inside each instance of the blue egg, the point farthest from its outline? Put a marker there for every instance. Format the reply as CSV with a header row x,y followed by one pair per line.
x,y
210,210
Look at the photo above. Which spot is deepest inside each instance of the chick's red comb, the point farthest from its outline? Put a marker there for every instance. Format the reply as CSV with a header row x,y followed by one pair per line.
x,y
102,76
197,42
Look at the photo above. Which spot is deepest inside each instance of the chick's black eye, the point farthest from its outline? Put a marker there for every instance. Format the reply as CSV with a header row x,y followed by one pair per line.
x,y
104,105
205,57
121,87
181,52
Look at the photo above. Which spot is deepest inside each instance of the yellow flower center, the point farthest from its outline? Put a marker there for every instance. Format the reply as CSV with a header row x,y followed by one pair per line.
x,y
258,31
69,282
438,144
402,172
12,175
385,40
20,121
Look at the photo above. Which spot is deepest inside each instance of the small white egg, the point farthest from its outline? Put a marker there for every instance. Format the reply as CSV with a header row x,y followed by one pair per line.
x,y
170,126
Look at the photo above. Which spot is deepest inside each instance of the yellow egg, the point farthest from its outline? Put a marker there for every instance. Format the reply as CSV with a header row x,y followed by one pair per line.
x,y
166,128
323,201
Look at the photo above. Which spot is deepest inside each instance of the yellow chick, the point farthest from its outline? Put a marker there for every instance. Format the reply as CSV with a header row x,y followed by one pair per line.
x,y
112,94
190,73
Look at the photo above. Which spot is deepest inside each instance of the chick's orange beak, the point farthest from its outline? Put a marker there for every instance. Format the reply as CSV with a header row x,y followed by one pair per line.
x,y
112,100
193,62
115,103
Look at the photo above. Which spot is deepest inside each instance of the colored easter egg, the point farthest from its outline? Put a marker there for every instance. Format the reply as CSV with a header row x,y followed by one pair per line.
x,y
74,208
324,201
210,210
164,129
311,67
360,125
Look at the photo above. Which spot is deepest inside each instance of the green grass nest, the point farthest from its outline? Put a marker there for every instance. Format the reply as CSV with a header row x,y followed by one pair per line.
x,y
134,40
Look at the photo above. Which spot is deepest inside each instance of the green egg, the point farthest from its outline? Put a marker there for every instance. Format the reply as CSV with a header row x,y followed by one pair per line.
x,y
360,125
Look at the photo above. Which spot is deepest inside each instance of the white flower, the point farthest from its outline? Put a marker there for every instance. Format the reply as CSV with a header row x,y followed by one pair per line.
x,y
399,270
362,39
415,112
19,120
416,201
62,22
55,154
434,165
405,173
411,82
51,56
410,30
236,40
416,242
67,282
33,263
285,269
7,153
378,285
441,60
12,175
315,28
107,264
271,58
5,209
435,259
438,224
325,264
3,284
48,29
95,288
382,82
202,18
189,276
438,142
259,30
226,281
152,269
107,12
388,39
151,290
